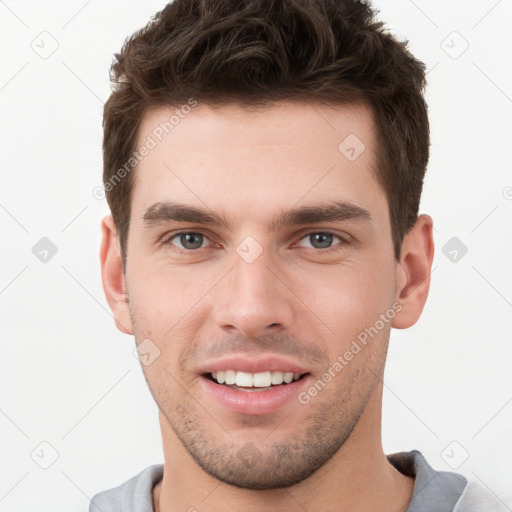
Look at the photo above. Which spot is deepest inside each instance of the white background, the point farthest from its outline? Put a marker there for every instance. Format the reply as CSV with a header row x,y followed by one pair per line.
x,y
70,379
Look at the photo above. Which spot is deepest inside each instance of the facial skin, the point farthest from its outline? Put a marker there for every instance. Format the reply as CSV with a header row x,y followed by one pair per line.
x,y
300,297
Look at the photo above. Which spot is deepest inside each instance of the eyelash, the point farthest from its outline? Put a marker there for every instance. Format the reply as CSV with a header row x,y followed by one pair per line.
x,y
170,236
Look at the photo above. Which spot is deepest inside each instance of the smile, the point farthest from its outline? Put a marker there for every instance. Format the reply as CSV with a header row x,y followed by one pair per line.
x,y
260,380
254,393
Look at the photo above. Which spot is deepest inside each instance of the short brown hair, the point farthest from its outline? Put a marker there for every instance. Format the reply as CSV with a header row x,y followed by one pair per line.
x,y
255,52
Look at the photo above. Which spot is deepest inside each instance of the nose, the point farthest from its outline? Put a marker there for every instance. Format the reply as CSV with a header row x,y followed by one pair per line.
x,y
253,300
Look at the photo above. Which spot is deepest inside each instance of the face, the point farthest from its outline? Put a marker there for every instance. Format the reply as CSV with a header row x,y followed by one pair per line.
x,y
259,250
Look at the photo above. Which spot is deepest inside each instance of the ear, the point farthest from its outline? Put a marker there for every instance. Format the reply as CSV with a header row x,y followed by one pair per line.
x,y
112,276
413,272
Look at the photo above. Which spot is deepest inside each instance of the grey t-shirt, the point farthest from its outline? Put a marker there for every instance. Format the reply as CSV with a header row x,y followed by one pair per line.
x,y
434,491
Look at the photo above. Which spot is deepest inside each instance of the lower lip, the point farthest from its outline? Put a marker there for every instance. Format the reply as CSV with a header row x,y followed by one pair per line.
x,y
253,402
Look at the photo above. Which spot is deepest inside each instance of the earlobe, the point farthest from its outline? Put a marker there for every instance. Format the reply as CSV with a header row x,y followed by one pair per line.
x,y
113,277
413,272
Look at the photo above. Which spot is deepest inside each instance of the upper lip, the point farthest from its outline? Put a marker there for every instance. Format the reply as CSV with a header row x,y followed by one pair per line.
x,y
251,364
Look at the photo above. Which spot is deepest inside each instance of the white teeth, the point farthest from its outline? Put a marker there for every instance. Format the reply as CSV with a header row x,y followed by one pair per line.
x,y
230,376
244,379
262,380
256,380
277,377
288,377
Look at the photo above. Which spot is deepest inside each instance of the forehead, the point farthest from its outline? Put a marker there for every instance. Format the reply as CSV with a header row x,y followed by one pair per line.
x,y
267,159
312,126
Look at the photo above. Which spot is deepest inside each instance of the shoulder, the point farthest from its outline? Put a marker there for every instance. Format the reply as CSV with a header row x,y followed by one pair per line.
x,y
135,495
443,491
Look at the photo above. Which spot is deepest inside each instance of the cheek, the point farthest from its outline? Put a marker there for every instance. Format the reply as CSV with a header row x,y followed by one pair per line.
x,y
166,303
158,288
347,298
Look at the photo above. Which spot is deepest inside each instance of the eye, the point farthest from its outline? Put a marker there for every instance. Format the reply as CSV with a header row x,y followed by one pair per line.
x,y
188,241
320,240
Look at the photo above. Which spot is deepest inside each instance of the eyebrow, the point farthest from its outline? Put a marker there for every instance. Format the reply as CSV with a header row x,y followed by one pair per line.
x,y
163,212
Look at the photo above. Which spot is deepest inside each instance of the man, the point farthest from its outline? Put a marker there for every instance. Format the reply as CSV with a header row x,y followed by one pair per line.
x,y
263,162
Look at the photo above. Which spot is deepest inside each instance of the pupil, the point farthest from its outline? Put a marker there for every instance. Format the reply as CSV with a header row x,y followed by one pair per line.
x,y
321,240
191,240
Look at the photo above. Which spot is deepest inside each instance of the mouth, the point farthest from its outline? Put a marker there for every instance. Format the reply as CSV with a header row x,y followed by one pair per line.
x,y
250,382
260,393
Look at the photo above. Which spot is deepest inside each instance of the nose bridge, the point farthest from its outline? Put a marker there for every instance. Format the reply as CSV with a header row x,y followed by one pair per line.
x,y
252,299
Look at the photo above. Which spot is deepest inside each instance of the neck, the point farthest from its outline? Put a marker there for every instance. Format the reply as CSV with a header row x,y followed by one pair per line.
x,y
358,475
